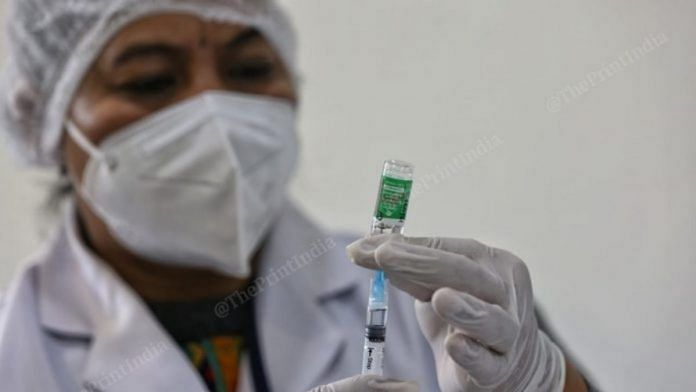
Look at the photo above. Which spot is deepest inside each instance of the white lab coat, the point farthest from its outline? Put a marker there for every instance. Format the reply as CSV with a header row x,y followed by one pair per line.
x,y
69,323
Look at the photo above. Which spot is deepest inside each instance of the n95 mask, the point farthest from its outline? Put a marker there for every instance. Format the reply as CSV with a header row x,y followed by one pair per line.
x,y
197,184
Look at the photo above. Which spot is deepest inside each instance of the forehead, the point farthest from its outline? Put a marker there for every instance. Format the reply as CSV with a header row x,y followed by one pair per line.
x,y
180,30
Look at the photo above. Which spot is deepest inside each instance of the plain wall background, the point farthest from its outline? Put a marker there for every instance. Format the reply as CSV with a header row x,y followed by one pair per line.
x,y
594,189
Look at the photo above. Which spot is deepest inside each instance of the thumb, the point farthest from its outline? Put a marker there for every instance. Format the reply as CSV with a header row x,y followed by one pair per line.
x,y
384,384
368,383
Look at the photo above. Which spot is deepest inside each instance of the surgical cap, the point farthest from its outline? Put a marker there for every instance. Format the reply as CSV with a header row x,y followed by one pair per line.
x,y
53,43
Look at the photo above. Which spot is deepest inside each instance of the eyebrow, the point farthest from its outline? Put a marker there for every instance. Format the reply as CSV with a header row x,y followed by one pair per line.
x,y
143,50
164,49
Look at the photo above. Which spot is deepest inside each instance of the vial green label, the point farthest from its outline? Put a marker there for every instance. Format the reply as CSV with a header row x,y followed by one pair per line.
x,y
393,198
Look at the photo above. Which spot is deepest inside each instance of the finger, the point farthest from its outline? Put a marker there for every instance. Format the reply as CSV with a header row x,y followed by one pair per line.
x,y
468,247
348,384
393,385
486,368
417,291
486,323
368,383
435,268
362,251
430,323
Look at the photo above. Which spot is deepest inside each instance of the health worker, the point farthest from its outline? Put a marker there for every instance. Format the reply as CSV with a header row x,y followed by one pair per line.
x,y
179,263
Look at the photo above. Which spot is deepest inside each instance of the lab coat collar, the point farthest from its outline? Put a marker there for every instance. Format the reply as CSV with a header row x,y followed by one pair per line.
x,y
301,266
66,306
82,297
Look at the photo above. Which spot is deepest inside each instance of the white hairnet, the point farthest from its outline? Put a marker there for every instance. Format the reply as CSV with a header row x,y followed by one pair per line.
x,y
53,43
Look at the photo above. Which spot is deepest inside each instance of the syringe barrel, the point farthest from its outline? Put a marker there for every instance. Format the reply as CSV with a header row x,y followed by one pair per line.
x,y
373,357
377,317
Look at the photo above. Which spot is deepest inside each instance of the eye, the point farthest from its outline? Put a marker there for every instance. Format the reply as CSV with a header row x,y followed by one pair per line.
x,y
251,70
150,85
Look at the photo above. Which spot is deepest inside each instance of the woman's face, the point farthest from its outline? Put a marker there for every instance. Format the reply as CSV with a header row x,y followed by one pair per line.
x,y
164,59
151,64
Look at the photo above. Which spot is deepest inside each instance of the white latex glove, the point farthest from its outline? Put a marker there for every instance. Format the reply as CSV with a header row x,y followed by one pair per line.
x,y
368,383
476,309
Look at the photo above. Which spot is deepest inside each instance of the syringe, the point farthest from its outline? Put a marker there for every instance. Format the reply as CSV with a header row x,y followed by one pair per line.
x,y
389,217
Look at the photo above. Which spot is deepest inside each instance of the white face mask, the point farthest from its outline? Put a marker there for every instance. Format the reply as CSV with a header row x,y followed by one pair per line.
x,y
197,184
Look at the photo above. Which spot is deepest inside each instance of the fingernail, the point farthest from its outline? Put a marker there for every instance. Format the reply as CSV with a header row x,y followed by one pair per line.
x,y
364,249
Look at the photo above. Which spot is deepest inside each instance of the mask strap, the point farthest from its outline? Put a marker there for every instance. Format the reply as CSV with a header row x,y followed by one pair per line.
x,y
88,146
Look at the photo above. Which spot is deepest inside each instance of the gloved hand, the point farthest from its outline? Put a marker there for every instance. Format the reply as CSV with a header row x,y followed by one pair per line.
x,y
476,309
368,383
